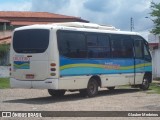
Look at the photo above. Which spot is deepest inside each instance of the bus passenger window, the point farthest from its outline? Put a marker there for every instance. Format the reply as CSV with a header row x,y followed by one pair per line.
x,y
138,46
72,44
98,46
122,46
138,49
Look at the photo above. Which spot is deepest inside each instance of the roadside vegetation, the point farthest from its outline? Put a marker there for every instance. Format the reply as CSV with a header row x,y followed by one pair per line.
x,y
4,48
154,88
155,7
4,83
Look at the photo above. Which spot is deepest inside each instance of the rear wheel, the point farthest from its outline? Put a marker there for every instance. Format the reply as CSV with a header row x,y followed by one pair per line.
x,y
92,89
57,93
145,83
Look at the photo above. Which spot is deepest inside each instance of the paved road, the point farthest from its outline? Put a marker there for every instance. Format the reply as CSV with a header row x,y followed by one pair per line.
x,y
117,100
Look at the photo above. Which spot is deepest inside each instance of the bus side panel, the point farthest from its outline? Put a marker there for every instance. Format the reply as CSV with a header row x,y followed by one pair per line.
x,y
76,67
112,71
73,82
141,67
117,79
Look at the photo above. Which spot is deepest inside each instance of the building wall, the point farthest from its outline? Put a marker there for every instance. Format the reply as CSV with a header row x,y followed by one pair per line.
x,y
156,63
5,33
155,55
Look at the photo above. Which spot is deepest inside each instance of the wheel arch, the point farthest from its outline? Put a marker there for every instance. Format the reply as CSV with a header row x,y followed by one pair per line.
x,y
148,75
98,79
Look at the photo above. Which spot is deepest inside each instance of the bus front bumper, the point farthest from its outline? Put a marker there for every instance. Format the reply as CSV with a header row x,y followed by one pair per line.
x,y
36,84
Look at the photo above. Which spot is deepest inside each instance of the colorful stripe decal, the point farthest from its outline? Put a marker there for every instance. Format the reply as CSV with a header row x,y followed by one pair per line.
x,y
21,65
107,66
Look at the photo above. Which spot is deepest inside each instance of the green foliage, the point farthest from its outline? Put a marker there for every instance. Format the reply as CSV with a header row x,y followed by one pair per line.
x,y
8,27
156,15
4,83
4,48
154,88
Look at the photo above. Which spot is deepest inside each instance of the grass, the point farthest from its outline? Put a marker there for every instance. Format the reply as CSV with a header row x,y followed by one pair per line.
x,y
154,88
4,83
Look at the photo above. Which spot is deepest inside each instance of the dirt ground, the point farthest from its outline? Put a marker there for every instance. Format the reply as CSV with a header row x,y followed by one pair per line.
x,y
118,100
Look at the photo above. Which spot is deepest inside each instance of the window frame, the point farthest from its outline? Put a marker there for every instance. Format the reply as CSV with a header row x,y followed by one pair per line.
x,y
144,44
85,34
97,34
33,50
70,31
132,43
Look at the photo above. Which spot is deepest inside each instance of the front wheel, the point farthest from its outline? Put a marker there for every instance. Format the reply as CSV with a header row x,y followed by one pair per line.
x,y
57,93
145,84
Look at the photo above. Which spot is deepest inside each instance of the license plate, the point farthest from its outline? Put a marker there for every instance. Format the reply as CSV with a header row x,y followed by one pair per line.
x,y
29,76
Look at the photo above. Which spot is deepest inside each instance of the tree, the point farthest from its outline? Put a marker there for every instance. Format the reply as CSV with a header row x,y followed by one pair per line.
x,y
156,15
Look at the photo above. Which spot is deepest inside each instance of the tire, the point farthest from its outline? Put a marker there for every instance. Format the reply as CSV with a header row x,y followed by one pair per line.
x,y
92,88
145,83
57,93
110,88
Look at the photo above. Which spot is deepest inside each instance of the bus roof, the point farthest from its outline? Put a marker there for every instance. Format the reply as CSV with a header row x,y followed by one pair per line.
x,y
79,26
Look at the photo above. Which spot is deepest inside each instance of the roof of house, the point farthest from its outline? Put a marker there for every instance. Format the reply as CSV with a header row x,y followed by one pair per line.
x,y
4,21
42,15
21,23
32,14
23,18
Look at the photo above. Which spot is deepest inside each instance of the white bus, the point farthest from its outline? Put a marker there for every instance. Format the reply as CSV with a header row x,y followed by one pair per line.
x,y
78,56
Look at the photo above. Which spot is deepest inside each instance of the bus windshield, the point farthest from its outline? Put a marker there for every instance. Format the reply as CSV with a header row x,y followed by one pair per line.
x,y
31,41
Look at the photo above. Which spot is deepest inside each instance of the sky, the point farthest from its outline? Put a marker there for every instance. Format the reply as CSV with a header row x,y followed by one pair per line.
x,y
106,12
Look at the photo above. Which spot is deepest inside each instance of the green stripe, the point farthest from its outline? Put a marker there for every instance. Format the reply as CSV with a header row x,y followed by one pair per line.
x,y
19,66
102,66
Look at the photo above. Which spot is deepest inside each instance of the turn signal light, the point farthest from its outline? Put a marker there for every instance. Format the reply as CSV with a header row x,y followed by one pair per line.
x,y
53,64
53,74
53,69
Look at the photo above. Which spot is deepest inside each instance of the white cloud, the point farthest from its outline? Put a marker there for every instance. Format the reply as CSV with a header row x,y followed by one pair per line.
x,y
113,12
15,6
49,5
142,6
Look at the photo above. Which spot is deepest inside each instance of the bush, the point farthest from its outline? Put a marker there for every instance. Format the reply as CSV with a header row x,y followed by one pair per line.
x,y
4,50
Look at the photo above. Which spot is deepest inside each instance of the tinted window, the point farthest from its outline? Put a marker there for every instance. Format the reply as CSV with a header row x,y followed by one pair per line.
x,y
72,44
141,48
147,55
122,46
31,41
98,46
138,44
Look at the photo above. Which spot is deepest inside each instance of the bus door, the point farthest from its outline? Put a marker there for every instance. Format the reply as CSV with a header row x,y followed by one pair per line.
x,y
138,59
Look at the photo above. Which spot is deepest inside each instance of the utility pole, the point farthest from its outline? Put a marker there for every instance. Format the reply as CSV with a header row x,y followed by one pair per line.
x,y
132,24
